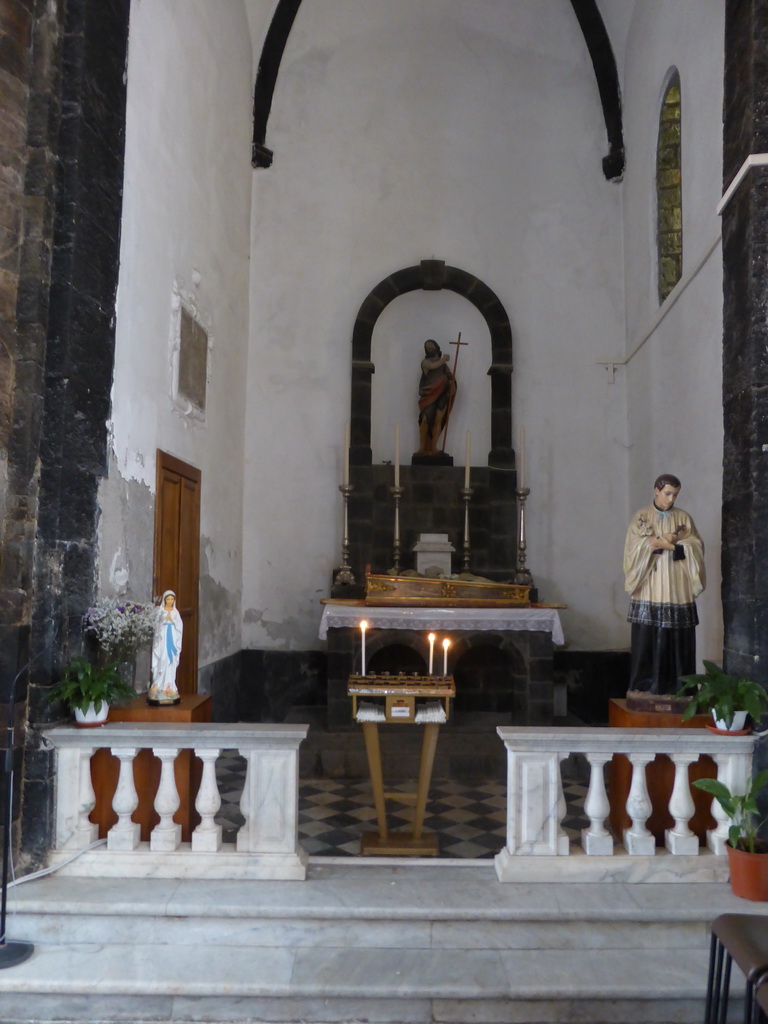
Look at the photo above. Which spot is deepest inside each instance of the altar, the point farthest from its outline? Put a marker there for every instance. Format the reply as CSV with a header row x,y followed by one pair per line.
x,y
521,640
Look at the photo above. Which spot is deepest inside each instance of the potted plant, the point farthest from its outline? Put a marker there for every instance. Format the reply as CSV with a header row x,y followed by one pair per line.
x,y
89,689
747,855
729,698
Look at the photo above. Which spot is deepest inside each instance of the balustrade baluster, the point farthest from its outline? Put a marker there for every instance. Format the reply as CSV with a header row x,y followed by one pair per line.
x,y
243,839
638,840
207,836
75,799
597,840
733,770
562,842
166,835
125,834
680,839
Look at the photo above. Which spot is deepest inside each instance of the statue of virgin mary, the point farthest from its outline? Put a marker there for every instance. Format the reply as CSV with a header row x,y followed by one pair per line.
x,y
166,650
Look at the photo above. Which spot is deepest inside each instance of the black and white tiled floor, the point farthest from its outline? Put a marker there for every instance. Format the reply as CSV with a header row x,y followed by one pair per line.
x,y
333,813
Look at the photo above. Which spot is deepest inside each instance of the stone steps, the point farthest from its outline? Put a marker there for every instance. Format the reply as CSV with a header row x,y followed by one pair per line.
x,y
414,943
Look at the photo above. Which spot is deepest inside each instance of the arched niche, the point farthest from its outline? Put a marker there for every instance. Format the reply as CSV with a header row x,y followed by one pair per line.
x,y
434,275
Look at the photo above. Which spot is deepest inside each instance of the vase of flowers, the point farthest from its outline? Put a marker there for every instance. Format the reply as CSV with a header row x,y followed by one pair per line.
x,y
119,628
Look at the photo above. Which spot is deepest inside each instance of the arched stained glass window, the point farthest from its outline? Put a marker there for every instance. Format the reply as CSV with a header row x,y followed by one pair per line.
x,y
669,191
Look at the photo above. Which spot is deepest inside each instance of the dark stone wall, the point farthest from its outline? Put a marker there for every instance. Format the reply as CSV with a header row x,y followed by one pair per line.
x,y
31,36
30,40
502,672
63,70
745,344
79,359
432,503
745,351
264,686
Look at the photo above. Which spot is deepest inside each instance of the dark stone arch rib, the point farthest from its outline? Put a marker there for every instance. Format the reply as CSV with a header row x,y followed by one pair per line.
x,y
266,77
603,61
591,24
434,275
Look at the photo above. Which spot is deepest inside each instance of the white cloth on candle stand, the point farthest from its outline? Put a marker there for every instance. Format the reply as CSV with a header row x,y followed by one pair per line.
x,y
435,620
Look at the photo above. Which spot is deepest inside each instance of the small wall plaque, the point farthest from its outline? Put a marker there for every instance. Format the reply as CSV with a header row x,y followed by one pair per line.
x,y
191,343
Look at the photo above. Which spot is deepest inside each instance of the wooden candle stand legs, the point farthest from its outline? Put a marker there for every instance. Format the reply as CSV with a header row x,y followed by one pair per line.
x,y
400,844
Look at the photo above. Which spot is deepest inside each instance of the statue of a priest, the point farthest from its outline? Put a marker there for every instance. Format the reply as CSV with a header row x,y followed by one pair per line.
x,y
664,574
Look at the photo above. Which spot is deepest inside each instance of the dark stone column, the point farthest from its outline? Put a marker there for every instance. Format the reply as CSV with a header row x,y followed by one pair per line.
x,y
62,95
745,344
79,360
30,57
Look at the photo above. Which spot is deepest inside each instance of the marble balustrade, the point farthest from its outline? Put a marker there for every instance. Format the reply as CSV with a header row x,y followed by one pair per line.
x,y
536,804
267,844
537,847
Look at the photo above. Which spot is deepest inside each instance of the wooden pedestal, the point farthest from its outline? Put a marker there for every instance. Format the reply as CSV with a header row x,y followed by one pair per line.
x,y
660,774
400,844
105,768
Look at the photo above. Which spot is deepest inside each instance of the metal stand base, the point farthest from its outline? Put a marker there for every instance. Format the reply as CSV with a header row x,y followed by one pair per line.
x,y
13,953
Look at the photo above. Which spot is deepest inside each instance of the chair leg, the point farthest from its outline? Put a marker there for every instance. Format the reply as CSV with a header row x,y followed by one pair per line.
x,y
709,1011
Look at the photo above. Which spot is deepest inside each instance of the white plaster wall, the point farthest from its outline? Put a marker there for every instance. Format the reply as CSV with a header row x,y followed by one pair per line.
x,y
674,381
185,218
464,130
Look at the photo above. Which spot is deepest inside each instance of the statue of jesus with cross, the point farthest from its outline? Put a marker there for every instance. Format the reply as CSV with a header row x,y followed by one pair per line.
x,y
437,392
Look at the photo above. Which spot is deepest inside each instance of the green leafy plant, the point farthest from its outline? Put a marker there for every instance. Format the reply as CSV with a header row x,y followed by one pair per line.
x,y
742,809
723,694
84,683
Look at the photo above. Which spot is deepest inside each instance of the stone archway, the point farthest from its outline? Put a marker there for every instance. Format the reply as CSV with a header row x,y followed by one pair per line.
x,y
434,275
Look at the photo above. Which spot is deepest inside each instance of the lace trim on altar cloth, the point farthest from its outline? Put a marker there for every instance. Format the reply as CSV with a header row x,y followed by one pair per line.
x,y
665,616
537,619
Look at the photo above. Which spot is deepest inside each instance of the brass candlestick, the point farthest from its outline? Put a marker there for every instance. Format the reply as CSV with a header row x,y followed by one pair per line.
x,y
522,576
397,493
466,494
345,574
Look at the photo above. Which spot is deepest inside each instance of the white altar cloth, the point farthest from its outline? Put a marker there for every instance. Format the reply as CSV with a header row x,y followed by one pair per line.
x,y
546,620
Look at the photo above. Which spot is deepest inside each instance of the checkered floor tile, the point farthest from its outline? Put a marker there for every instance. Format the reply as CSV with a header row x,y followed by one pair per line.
x,y
333,813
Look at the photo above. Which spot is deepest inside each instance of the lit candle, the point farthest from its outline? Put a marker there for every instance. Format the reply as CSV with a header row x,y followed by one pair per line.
x,y
521,484
346,454
446,645
467,460
363,627
397,455
431,639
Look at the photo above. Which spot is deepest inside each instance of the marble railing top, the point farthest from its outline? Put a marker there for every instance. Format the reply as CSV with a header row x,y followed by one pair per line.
x,y
586,740
225,735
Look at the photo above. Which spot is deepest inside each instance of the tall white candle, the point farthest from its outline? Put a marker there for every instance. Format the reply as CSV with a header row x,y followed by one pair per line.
x,y
397,455
467,460
431,639
346,454
521,474
363,627
446,645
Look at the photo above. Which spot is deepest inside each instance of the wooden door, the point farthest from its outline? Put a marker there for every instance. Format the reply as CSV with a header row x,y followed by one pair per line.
x,y
177,554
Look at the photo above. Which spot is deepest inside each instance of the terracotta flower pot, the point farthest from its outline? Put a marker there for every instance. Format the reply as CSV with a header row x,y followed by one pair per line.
x,y
749,872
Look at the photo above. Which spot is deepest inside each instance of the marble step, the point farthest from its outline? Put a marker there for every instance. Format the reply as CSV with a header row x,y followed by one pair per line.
x,y
416,943
358,904
206,983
